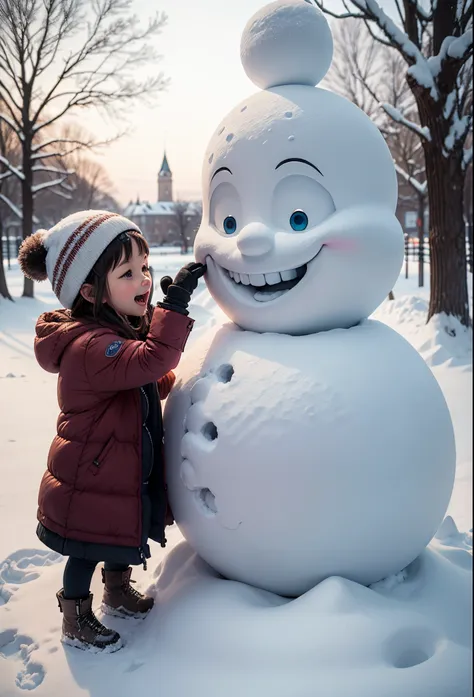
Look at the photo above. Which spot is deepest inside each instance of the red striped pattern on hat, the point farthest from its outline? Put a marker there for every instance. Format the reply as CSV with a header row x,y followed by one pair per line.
x,y
81,235
75,233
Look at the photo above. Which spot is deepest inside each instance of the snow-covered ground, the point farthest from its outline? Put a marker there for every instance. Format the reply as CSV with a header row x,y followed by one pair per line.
x,y
31,656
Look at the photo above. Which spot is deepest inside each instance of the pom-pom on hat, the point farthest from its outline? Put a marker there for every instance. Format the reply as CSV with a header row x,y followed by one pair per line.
x,y
67,252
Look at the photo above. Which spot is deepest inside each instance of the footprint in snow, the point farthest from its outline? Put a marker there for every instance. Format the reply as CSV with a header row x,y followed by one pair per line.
x,y
19,648
22,567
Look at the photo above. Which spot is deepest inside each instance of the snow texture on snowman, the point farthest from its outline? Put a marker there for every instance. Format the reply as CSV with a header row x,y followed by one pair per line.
x,y
306,427
305,441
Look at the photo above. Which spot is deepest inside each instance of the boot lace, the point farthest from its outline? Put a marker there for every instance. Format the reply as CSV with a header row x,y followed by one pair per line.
x,y
91,621
129,590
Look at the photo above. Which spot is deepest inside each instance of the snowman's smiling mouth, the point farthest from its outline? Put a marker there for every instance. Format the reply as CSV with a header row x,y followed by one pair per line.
x,y
263,287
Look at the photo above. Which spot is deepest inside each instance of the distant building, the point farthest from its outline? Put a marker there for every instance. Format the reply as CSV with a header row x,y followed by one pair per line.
x,y
407,209
166,221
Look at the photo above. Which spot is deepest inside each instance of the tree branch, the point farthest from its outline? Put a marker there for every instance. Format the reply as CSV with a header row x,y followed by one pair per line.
x,y
397,116
421,188
11,168
47,185
52,170
11,124
12,206
337,15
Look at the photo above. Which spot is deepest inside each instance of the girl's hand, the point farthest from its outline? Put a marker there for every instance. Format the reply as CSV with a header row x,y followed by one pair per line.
x,y
178,292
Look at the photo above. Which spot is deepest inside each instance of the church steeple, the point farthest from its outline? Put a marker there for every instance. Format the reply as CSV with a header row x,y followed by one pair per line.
x,y
165,181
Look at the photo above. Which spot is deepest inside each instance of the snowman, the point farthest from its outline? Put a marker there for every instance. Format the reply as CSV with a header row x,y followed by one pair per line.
x,y
304,440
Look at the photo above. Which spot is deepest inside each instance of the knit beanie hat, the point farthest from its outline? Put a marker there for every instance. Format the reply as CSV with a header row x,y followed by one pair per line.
x,y
67,252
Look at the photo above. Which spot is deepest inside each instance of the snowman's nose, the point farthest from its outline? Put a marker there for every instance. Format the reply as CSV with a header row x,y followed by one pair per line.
x,y
255,239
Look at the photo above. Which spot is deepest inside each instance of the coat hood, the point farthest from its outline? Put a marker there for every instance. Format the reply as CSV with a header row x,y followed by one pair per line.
x,y
54,332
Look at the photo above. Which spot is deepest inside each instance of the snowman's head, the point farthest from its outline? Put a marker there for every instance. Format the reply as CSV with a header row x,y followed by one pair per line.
x,y
299,190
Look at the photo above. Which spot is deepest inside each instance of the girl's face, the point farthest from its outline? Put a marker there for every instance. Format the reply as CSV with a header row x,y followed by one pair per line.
x,y
129,284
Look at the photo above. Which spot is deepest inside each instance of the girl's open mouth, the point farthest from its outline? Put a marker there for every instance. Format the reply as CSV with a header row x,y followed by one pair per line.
x,y
142,299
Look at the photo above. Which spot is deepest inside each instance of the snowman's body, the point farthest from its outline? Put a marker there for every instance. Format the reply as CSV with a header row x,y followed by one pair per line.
x,y
303,441
298,458
309,450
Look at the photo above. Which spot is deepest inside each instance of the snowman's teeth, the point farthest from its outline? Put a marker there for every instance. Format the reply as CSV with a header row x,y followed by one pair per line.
x,y
261,279
272,278
257,279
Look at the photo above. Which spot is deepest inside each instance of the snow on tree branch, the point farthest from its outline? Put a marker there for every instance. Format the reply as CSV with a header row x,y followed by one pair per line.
x,y
420,187
52,170
397,116
10,123
12,206
456,48
47,185
63,194
461,46
419,69
457,132
11,168
422,13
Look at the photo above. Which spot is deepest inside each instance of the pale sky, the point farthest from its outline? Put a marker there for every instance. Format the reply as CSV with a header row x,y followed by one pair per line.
x,y
200,47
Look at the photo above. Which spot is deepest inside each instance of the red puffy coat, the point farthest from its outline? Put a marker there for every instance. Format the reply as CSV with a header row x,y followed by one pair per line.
x,y
91,495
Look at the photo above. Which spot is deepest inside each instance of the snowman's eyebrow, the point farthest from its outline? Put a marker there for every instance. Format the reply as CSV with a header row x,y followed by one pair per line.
x,y
299,159
221,169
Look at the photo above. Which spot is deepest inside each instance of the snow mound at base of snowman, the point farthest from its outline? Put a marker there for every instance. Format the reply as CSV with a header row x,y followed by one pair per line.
x,y
409,634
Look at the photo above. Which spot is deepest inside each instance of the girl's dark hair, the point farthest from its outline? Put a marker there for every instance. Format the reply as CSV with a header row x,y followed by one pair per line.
x,y
120,247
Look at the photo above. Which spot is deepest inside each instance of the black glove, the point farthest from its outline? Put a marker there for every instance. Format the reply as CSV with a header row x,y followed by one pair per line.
x,y
178,292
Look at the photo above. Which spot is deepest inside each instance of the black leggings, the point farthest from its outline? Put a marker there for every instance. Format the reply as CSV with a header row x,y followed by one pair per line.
x,y
78,576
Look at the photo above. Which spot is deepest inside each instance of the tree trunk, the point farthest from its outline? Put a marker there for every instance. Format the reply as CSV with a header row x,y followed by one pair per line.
x,y
27,207
420,222
448,273
469,242
3,281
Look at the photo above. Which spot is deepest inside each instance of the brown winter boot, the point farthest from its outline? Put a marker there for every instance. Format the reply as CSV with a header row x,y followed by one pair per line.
x,y
82,629
120,599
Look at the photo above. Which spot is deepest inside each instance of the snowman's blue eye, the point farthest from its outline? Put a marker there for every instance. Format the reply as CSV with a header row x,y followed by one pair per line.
x,y
230,225
299,221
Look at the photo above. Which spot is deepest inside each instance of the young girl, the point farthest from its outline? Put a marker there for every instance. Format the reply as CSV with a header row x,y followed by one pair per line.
x,y
104,494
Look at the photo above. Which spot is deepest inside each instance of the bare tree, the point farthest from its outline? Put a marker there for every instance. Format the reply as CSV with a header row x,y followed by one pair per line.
x,y
187,216
58,57
9,205
436,47
90,187
356,64
182,220
370,74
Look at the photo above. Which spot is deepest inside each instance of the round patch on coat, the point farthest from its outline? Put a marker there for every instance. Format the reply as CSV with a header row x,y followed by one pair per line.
x,y
113,348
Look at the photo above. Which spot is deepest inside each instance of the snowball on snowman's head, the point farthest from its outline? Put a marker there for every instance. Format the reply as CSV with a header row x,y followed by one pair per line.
x,y
299,190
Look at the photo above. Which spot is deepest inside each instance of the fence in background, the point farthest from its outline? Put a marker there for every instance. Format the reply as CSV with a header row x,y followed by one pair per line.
x,y
420,257
413,254
10,247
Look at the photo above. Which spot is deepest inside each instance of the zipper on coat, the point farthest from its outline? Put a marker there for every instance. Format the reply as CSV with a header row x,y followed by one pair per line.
x,y
97,460
148,431
143,558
